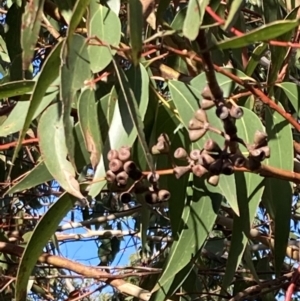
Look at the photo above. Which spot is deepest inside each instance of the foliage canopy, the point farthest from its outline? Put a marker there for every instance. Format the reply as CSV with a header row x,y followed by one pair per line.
x,y
171,124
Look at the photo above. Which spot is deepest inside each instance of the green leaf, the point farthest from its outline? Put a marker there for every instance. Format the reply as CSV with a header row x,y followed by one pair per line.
x,y
292,92
185,98
31,24
106,26
65,9
47,76
131,97
15,120
194,17
13,34
263,33
235,8
166,122
119,133
38,175
277,196
162,7
88,120
16,88
78,12
227,85
198,218
54,151
106,107
73,76
255,58
136,21
82,157
278,53
38,240
249,188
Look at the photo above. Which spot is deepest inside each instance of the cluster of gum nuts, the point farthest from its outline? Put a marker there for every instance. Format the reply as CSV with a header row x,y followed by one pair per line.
x,y
124,175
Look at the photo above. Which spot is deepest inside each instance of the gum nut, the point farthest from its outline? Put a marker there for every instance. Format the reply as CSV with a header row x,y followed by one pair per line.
x,y
122,178
195,124
180,153
257,154
227,168
266,150
207,159
206,93
207,104
125,197
110,176
115,165
199,170
132,170
213,180
179,171
216,167
237,160
253,164
236,112
260,138
195,154
222,111
164,195
163,137
211,146
151,197
152,178
200,115
124,154
197,134
112,154
162,147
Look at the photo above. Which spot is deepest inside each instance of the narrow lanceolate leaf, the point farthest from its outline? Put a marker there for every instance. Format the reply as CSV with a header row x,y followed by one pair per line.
x,y
88,120
194,17
74,74
186,100
277,195
254,59
16,88
42,233
234,11
263,33
278,53
38,175
129,103
249,189
16,118
197,220
48,74
122,131
54,150
292,92
31,23
105,108
135,15
78,12
106,26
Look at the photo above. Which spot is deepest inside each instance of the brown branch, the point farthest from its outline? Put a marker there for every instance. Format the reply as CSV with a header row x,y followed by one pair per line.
x,y
86,271
264,98
13,144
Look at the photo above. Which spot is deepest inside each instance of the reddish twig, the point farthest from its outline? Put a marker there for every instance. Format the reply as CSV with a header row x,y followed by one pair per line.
x,y
291,288
264,98
13,144
238,33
